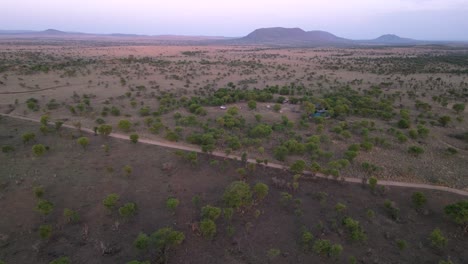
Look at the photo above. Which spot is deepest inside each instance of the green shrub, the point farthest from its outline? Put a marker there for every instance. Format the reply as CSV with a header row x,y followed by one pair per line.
x,y
298,166
38,150
415,150
306,240
272,253
70,215
339,207
38,191
125,125
127,210
403,123
402,244
138,262
237,194
367,146
228,213
45,231
458,212
261,131
28,137
280,153
44,207
438,240
208,228
326,248
373,183
7,149
134,138
210,212
444,120
285,199
166,238
260,190
252,105
350,155
172,136
172,204
391,209
354,228
418,199
111,201
83,141
104,129
62,260
142,241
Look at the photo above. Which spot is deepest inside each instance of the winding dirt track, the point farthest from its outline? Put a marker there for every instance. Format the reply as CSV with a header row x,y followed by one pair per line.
x,y
173,145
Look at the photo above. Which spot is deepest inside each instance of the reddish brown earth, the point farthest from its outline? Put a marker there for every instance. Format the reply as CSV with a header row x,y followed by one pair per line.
x,y
79,179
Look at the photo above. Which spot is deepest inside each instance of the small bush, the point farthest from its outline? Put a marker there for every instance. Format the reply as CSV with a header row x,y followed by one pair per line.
x,y
62,260
111,201
83,141
104,129
71,216
38,191
127,210
45,231
208,228
260,190
418,199
373,183
237,194
125,125
391,209
306,240
273,253
210,212
38,150
402,244
44,207
415,150
172,204
438,240
339,207
458,212
326,248
165,238
7,149
134,138
142,241
228,213
298,166
355,230
128,170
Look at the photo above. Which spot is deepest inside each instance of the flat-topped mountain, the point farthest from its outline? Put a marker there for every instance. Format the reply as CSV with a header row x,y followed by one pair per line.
x,y
292,36
393,39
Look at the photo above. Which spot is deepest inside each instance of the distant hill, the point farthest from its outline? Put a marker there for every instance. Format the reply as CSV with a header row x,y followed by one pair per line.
x,y
52,32
291,36
274,36
393,39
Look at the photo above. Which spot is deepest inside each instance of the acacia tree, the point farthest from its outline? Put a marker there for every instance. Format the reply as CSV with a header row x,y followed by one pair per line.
x,y
166,238
458,212
83,141
39,149
237,194
104,129
459,108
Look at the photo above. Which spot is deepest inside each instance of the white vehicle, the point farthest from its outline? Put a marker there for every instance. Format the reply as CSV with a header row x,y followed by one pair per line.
x,y
223,107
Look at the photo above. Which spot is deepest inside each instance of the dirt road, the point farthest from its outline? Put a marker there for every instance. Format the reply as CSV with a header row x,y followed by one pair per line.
x,y
179,146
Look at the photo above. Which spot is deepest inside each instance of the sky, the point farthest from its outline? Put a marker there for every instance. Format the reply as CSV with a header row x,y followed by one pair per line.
x,y
354,19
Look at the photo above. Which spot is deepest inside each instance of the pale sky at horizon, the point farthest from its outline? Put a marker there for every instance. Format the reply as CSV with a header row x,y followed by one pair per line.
x,y
355,19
